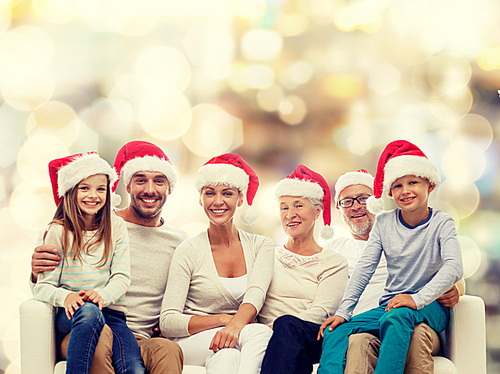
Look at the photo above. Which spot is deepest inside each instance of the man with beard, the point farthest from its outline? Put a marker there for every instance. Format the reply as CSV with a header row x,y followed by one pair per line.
x,y
149,178
352,191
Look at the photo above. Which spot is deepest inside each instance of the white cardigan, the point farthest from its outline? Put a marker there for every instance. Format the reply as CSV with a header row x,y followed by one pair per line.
x,y
195,289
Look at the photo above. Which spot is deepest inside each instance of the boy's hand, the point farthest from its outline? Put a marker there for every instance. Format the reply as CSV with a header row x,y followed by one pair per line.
x,y
93,297
401,300
449,298
333,322
71,304
44,258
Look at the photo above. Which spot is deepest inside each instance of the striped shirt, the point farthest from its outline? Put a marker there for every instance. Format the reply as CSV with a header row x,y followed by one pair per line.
x,y
110,281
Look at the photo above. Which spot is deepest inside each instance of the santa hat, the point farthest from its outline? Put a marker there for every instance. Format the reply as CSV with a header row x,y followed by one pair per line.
x,y
138,156
231,170
66,172
350,179
306,183
400,158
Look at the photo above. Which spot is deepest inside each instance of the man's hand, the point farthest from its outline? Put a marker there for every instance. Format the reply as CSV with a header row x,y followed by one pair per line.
x,y
333,322
401,300
93,297
44,258
449,298
71,304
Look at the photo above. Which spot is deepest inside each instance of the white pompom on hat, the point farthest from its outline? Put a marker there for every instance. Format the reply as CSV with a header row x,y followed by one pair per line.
x,y
231,170
304,182
352,178
140,155
400,158
66,172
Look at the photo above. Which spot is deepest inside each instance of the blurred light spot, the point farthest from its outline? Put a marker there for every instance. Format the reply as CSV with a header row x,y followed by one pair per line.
x,y
194,228
292,24
57,118
140,24
296,74
473,128
209,43
162,68
10,310
56,11
3,194
15,237
452,106
165,117
88,10
27,93
12,335
258,76
270,98
35,155
343,86
209,82
213,131
463,162
483,227
362,15
11,136
445,207
236,79
411,121
384,79
39,202
267,204
195,8
471,255
463,197
489,59
14,367
449,73
261,45
252,9
5,17
292,110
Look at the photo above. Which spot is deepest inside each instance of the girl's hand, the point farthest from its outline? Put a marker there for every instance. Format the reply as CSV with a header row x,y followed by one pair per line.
x,y
333,322
93,297
401,300
225,338
71,304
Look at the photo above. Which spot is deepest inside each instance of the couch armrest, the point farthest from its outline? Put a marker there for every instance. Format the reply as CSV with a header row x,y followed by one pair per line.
x,y
467,335
38,342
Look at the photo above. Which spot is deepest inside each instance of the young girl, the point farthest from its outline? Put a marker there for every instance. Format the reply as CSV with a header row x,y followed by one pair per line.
x,y
89,284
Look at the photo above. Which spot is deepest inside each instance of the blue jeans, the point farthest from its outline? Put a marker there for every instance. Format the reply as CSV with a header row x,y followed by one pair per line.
x,y
293,348
85,328
394,329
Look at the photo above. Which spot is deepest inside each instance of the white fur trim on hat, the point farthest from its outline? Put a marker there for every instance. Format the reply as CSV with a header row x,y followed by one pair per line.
x,y
151,164
401,166
374,205
217,174
350,179
80,168
299,187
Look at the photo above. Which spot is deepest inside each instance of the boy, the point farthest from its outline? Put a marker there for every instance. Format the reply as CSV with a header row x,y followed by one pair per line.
x,y
423,260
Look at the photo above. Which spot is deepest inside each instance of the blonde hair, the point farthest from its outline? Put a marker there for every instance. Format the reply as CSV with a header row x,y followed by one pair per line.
x,y
69,216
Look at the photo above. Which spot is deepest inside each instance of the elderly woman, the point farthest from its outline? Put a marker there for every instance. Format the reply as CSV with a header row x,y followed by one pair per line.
x,y
218,280
308,281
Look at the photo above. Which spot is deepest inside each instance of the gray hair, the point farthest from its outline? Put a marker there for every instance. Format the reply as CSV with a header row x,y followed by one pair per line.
x,y
316,202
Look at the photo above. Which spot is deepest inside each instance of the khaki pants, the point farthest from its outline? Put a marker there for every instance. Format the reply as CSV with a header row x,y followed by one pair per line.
x,y
160,355
363,351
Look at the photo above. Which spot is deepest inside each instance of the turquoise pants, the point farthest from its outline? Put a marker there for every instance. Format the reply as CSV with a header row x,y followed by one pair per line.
x,y
394,329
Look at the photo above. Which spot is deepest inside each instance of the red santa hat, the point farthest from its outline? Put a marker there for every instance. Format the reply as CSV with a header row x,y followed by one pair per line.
x,y
231,170
400,158
66,172
304,182
350,179
138,156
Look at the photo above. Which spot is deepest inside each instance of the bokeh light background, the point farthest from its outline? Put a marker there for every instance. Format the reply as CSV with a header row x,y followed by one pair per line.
x,y
326,83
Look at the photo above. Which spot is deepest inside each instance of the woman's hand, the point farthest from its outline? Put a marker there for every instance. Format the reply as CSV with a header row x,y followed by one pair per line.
x,y
225,338
333,322
401,300
71,304
93,297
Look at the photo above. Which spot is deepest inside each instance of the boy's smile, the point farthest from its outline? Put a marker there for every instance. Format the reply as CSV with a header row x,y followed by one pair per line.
x,y
411,194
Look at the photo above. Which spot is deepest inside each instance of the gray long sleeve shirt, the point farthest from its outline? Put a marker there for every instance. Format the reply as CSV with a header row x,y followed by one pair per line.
x,y
423,260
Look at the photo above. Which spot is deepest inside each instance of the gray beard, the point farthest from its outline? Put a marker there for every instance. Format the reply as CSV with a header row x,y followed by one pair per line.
x,y
359,230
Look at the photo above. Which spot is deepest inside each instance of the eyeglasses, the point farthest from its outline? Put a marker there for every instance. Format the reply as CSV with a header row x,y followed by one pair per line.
x,y
347,203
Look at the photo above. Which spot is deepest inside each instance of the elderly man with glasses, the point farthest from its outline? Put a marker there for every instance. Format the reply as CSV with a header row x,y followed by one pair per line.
x,y
352,191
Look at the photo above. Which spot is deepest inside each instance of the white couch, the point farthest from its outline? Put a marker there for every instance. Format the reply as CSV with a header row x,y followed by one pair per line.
x,y
466,336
